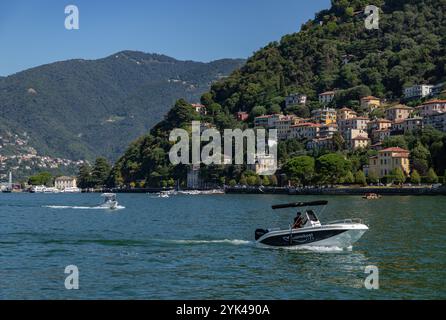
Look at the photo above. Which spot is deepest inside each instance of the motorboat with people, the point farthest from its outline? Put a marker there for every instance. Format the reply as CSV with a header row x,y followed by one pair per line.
x,y
371,196
110,201
307,230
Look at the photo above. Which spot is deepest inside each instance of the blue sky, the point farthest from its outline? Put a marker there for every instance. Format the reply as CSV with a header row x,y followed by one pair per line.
x,y
33,33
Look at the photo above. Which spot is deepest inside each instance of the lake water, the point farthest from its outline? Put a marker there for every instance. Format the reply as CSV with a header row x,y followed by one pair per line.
x,y
201,247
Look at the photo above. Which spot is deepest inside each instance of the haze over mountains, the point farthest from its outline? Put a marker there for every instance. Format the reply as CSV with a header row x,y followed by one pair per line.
x,y
81,109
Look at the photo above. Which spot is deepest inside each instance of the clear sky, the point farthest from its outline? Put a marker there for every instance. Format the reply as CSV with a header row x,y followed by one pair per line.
x,y
33,32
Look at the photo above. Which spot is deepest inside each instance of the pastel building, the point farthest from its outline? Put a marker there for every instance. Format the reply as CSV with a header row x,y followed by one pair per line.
x,y
295,99
418,91
370,103
387,161
346,113
64,182
326,97
306,130
324,116
398,112
432,107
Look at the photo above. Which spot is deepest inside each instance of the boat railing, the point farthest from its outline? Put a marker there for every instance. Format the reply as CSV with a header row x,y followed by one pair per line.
x,y
346,221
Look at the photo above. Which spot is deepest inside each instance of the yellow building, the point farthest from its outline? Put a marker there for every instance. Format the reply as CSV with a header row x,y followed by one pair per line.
x,y
346,113
388,160
324,116
370,102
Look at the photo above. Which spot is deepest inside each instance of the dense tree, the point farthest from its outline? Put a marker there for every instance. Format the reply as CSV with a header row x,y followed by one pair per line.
x,y
42,178
331,167
100,173
415,177
300,169
360,178
432,176
84,179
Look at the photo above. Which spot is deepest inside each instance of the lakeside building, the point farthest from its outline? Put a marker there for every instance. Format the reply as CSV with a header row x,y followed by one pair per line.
x,y
305,130
359,123
265,164
418,91
324,116
370,103
283,126
321,143
62,183
295,99
326,97
409,124
359,142
201,109
437,121
267,121
193,177
379,124
356,138
398,112
432,107
242,116
388,160
326,131
346,113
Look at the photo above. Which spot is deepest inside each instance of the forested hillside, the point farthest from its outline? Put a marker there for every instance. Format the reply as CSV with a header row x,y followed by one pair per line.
x,y
81,109
334,51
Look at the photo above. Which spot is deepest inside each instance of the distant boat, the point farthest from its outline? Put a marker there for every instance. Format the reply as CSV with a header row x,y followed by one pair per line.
x,y
110,201
371,196
71,190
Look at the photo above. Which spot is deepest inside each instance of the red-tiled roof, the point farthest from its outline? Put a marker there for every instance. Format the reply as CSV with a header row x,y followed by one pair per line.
x,y
327,93
370,98
400,106
395,149
434,101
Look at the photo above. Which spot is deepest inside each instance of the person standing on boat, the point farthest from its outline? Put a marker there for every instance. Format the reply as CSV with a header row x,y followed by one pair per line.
x,y
298,221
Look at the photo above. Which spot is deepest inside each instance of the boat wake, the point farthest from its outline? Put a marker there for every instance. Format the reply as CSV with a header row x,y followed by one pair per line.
x,y
320,248
225,241
83,208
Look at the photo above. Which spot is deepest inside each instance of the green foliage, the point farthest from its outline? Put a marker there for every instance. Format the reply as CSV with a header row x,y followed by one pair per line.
x,y
349,178
82,109
360,178
432,176
397,176
415,177
84,180
372,178
332,167
42,178
300,169
100,173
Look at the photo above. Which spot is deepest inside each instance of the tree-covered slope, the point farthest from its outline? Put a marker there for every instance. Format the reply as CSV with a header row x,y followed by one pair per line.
x,y
408,48
81,109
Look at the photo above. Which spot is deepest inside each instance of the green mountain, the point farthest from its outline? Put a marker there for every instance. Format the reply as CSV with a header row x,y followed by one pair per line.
x,y
332,51
81,109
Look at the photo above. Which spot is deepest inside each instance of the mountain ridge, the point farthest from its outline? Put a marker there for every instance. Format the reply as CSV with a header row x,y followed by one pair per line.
x,y
81,109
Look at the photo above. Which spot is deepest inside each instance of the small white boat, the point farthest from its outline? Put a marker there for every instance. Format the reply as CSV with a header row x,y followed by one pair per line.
x,y
71,190
110,201
164,194
308,231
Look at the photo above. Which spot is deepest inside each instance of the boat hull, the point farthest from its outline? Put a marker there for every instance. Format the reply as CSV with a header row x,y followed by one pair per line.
x,y
342,237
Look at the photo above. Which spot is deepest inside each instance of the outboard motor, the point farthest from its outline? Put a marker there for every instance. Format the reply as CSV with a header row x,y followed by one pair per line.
x,y
260,233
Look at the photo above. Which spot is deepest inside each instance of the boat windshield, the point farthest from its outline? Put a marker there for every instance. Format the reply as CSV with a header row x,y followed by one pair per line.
x,y
312,216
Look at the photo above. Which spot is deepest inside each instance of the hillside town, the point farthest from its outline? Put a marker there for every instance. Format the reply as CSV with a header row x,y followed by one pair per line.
x,y
20,158
360,131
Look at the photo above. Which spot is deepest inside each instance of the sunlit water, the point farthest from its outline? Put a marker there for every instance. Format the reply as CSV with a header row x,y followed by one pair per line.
x,y
202,247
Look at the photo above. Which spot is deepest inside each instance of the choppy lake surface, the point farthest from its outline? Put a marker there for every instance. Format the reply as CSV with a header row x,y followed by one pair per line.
x,y
202,247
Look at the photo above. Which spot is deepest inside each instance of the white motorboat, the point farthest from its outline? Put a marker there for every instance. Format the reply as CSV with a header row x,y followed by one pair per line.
x,y
110,201
307,230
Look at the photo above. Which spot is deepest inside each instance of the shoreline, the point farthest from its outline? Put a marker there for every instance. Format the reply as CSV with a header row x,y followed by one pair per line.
x,y
397,191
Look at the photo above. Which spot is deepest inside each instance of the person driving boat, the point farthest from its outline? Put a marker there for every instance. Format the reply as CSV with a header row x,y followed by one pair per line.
x,y
298,221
